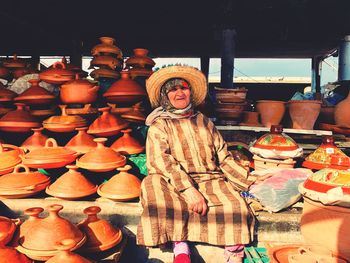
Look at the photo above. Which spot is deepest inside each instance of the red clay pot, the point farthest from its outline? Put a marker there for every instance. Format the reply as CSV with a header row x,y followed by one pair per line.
x,y
35,95
271,111
127,144
14,63
7,229
58,74
33,218
65,255
230,111
37,140
6,95
107,46
140,72
304,113
341,116
111,62
10,156
250,118
10,254
140,59
104,73
82,142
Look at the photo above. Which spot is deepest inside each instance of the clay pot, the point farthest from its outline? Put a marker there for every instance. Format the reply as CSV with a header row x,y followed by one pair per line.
x,y
327,114
229,111
75,69
140,59
122,186
19,120
65,255
10,156
19,72
111,62
127,144
7,229
271,111
64,123
101,235
87,109
58,74
341,116
125,90
140,72
304,113
37,140
22,184
4,73
50,156
107,46
78,91
6,95
104,73
71,186
82,142
13,63
9,254
39,242
35,95
250,118
334,221
33,218
107,124
101,159
230,95
135,114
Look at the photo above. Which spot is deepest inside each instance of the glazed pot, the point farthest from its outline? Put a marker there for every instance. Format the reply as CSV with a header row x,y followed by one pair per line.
x,y
104,73
111,62
107,46
304,113
78,91
123,186
127,145
65,255
334,221
19,120
101,235
229,111
35,95
71,185
271,111
13,63
125,90
6,95
82,142
140,59
58,74
10,254
37,140
107,124
230,95
101,159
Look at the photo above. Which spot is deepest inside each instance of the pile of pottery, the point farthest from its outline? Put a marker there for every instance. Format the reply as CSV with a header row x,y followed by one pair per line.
x,y
57,74
271,111
230,104
107,60
10,156
6,99
275,149
15,68
140,65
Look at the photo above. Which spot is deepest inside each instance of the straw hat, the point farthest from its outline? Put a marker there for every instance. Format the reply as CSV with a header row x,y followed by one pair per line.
x,y
195,77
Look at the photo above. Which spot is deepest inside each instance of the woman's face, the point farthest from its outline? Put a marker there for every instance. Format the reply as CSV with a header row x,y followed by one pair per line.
x,y
179,96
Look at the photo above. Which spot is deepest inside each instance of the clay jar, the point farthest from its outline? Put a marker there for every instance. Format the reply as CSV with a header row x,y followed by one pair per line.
x,y
37,140
71,185
82,142
125,90
140,59
107,46
58,74
304,113
9,254
271,111
65,255
127,144
78,91
101,235
123,186
341,116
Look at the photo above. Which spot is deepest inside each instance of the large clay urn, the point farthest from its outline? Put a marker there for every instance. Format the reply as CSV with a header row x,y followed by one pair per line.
x,y
37,140
65,255
107,46
71,185
35,95
327,226
82,142
101,235
10,254
341,113
304,113
140,59
127,144
58,74
271,111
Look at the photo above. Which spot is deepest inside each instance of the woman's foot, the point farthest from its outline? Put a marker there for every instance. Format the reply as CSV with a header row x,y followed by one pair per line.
x,y
182,258
181,252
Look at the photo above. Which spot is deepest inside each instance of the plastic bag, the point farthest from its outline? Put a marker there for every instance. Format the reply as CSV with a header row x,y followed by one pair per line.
x,y
281,190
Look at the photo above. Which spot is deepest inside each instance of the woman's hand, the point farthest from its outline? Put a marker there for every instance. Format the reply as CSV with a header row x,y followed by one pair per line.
x,y
195,201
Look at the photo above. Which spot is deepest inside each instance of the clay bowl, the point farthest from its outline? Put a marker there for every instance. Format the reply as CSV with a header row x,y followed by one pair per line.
x,y
58,74
230,95
140,59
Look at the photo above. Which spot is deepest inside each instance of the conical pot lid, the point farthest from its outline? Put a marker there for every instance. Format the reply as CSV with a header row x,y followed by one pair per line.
x,y
47,232
82,142
10,156
125,86
35,92
136,114
37,140
107,45
122,186
140,59
19,117
65,119
127,144
10,254
33,214
14,62
65,255
57,74
6,94
71,185
101,235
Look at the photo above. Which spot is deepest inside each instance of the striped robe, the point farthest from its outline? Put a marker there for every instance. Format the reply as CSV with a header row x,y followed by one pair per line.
x,y
191,152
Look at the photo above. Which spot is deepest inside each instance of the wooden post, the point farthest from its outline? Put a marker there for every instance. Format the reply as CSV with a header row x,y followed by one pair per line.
x,y
76,57
227,57
205,66
35,61
316,77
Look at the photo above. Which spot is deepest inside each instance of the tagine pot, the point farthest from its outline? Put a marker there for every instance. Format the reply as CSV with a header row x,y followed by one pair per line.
x,y
7,229
271,111
107,46
6,95
101,73
19,120
82,142
10,254
57,74
78,91
33,214
65,255
10,156
101,235
127,145
140,59
304,113
37,140
101,159
123,186
72,185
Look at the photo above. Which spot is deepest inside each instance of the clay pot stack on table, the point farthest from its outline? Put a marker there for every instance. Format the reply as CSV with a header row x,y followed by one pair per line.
x,y
140,65
230,104
57,74
15,68
271,111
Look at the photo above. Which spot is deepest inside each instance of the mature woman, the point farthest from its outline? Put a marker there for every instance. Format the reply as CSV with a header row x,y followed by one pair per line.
x,y
192,189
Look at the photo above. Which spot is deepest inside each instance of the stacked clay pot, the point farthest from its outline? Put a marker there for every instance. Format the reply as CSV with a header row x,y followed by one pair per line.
x,y
140,65
10,156
57,74
6,99
230,104
107,60
127,145
15,68
271,111
37,140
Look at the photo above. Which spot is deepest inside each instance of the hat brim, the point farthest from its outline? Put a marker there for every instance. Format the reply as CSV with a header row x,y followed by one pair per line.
x,y
195,78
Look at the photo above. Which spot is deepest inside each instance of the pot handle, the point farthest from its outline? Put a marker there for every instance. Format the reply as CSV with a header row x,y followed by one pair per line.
x,y
93,89
19,166
63,66
51,142
63,109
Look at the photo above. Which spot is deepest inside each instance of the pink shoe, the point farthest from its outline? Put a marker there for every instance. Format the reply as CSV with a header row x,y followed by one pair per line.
x,y
182,258
234,257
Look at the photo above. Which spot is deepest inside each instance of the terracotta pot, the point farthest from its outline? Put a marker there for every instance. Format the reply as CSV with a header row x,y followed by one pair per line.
x,y
82,142
4,73
65,255
271,111
37,140
104,73
13,63
75,69
111,62
101,159
107,46
140,72
10,254
125,90
107,124
101,235
6,95
135,114
334,222
229,111
127,144
10,156
250,118
341,116
7,229
78,91
225,95
327,114
58,74
19,72
19,120
71,186
35,95
33,218
64,123
140,59
87,109
304,113
122,186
